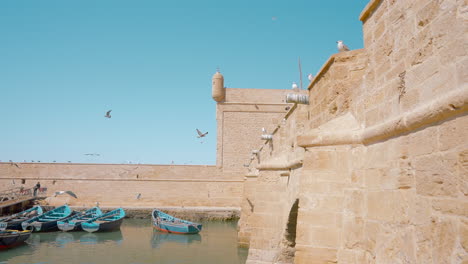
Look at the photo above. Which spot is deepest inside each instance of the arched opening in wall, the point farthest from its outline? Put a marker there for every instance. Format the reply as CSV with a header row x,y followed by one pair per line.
x,y
289,241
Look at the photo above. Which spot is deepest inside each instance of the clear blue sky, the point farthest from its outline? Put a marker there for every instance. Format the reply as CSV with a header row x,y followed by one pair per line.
x,y
63,64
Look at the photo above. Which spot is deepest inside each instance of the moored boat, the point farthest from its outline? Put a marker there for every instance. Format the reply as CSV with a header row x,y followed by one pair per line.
x,y
167,223
73,223
13,238
13,222
109,221
48,220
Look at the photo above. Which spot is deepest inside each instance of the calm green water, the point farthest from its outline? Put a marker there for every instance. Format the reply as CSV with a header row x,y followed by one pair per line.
x,y
135,243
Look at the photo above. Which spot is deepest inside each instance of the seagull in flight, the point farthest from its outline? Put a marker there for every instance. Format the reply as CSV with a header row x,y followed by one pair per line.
x,y
108,114
65,192
341,46
201,134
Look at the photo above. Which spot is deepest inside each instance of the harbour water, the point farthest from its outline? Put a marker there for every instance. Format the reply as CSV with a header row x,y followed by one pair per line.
x,y
135,243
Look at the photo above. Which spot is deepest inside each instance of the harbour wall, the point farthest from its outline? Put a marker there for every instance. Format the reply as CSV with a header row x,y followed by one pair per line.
x,y
120,185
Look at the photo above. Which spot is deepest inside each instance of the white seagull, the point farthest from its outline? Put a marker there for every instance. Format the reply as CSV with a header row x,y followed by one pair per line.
x,y
294,85
264,130
108,114
341,46
67,192
201,134
310,77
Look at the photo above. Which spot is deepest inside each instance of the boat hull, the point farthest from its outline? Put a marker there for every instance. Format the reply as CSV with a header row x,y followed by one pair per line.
x,y
13,238
177,230
69,226
102,227
110,221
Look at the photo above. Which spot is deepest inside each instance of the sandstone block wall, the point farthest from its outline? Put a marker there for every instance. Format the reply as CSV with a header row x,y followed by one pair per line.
x,y
379,154
240,120
119,185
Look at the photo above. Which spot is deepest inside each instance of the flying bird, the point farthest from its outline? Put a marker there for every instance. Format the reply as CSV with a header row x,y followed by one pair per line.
x,y
67,192
108,114
92,154
341,46
294,85
310,76
200,134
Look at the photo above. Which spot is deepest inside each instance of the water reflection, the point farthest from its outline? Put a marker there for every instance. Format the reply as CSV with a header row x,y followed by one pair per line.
x,y
159,238
64,238
95,238
135,243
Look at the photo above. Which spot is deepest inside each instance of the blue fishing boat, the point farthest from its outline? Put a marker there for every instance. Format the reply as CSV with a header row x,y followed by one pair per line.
x,y
13,238
167,223
13,222
48,220
73,223
110,221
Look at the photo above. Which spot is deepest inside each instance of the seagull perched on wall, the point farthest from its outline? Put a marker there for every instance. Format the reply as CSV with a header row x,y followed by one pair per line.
x,y
294,86
67,192
138,196
310,77
341,46
201,134
108,114
264,130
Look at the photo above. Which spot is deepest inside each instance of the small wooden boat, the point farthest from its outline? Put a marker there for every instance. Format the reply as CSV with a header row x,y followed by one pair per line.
x,y
110,221
73,223
167,223
48,220
13,222
13,238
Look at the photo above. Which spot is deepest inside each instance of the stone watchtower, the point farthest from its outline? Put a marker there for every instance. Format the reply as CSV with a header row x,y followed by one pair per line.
x,y
218,91
241,114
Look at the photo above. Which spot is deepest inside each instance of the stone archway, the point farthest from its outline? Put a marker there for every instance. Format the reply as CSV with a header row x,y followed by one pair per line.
x,y
289,240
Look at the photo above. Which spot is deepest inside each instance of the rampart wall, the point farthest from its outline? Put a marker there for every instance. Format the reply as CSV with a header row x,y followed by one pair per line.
x,y
119,185
374,169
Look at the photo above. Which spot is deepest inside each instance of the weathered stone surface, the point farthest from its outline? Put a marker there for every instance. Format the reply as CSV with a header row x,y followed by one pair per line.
x,y
434,177
312,255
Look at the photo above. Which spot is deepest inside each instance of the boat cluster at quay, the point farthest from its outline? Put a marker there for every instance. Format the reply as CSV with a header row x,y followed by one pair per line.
x,y
15,229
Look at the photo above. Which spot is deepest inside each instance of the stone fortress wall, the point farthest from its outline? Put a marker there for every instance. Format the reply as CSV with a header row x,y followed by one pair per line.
x,y
374,169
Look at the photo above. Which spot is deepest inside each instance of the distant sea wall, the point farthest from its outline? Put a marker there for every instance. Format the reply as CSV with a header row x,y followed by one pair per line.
x,y
113,185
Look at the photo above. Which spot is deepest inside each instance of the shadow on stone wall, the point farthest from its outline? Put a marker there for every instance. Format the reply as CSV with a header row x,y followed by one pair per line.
x,y
289,241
